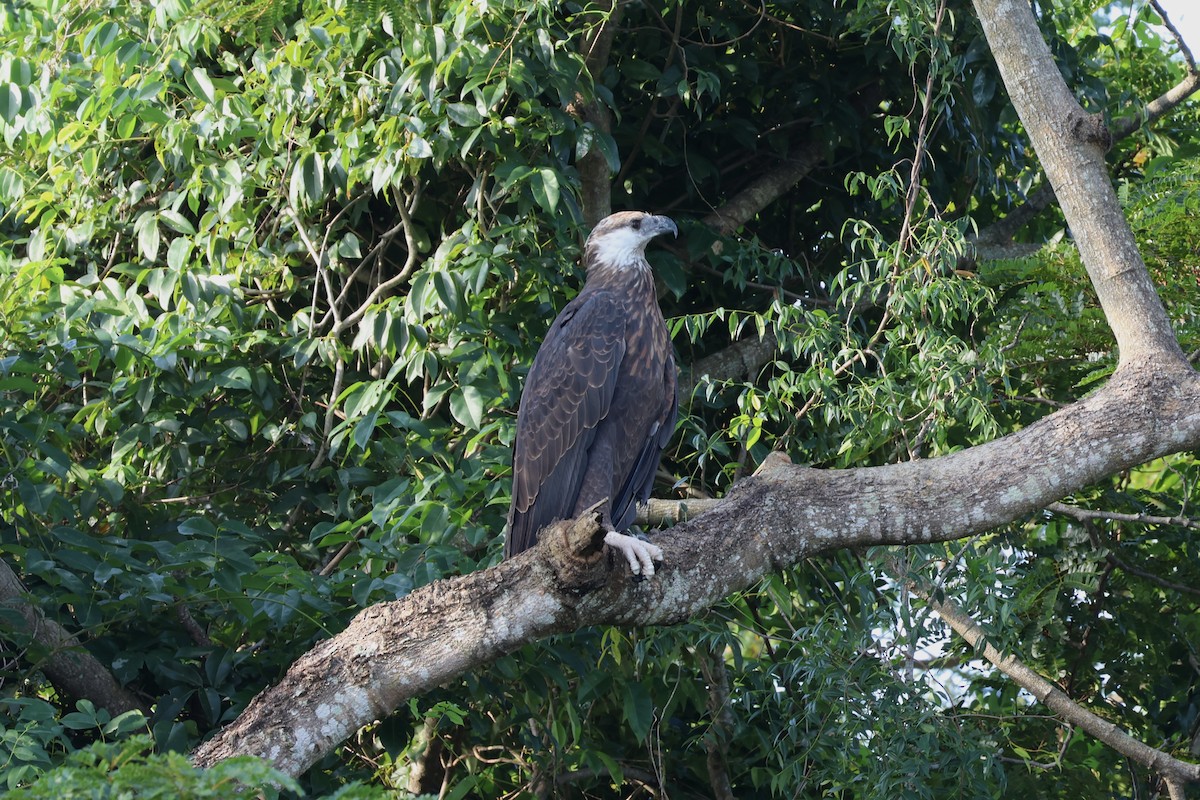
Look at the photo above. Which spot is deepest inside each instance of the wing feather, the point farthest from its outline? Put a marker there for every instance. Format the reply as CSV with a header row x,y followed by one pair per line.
x,y
567,394
640,480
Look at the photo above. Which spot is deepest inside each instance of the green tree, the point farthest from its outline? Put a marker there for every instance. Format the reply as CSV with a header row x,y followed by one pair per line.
x,y
273,273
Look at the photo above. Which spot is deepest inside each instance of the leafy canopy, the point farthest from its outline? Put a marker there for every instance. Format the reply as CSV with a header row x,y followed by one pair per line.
x,y
273,273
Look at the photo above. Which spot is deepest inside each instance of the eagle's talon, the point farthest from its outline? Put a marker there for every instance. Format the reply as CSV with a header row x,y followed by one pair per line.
x,y
639,554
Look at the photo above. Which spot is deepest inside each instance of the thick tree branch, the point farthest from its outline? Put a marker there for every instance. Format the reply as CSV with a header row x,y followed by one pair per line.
x,y
1174,771
71,669
739,361
398,650
720,732
595,184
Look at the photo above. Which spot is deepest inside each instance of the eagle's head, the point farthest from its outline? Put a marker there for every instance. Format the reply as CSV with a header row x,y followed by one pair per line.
x,y
619,240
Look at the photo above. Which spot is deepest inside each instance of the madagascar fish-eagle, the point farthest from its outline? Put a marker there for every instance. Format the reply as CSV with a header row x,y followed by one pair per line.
x,y
599,403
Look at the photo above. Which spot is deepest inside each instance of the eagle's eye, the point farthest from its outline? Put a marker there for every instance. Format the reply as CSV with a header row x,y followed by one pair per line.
x,y
637,224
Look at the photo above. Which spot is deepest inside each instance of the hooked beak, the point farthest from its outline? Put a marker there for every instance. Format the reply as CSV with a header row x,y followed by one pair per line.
x,y
663,225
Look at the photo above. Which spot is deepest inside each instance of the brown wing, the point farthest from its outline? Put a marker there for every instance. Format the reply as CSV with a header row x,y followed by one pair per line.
x,y
568,393
648,423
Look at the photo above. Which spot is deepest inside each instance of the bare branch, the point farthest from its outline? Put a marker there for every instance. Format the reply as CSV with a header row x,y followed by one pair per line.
x,y
765,190
1183,48
1000,233
1172,769
1087,515
1154,578
716,742
740,361
595,178
385,287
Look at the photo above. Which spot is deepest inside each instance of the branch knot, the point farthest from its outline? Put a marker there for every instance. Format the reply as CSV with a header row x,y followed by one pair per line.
x,y
574,548
1091,129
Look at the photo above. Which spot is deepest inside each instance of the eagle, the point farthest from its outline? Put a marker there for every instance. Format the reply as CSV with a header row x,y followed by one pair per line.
x,y
600,400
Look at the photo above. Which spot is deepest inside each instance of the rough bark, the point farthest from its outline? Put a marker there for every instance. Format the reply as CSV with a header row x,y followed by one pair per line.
x,y
739,361
70,668
785,513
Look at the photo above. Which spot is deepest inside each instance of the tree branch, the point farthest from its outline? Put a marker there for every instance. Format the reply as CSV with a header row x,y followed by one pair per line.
x,y
70,668
738,361
765,190
1153,577
720,732
394,651
998,235
1087,515
595,183
1183,48
1170,768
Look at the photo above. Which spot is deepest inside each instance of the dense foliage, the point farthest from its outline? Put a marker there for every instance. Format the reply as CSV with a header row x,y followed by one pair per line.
x,y
272,274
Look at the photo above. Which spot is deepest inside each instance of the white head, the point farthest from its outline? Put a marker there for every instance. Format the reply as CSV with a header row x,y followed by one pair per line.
x,y
619,240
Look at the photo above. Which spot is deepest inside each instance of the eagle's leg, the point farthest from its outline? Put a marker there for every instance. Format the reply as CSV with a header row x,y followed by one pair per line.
x,y
640,554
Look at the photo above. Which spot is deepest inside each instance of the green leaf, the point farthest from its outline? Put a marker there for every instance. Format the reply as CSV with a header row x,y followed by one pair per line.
x,y
639,709
101,38
447,291
201,85
235,378
364,428
419,148
178,253
10,102
162,283
464,114
546,190
176,221
12,185
146,228
467,405
197,526
307,186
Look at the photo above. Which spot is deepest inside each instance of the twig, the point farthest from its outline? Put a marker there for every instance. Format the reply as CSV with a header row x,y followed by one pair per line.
x,y
400,277
318,258
184,615
720,732
339,371
1183,48
1125,566
1042,400
1088,515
